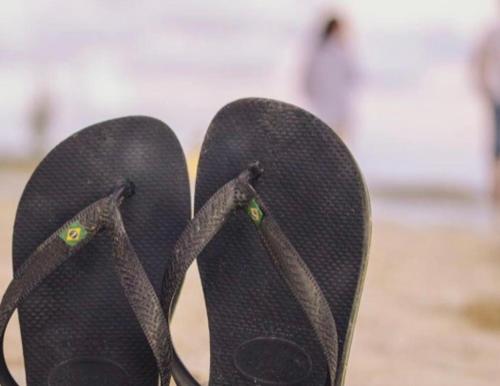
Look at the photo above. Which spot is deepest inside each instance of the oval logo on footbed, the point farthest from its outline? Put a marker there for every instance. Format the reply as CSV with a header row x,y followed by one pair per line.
x,y
272,361
88,372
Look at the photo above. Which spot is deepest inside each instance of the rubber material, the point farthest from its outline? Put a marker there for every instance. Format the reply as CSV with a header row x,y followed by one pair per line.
x,y
78,328
316,193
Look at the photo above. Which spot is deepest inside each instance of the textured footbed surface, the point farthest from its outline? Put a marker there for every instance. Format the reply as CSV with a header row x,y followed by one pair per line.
x,y
77,328
314,189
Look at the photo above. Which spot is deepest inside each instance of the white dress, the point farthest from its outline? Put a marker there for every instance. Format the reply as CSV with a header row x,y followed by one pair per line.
x,y
330,80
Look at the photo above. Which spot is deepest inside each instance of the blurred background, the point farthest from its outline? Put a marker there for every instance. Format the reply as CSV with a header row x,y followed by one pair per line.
x,y
406,76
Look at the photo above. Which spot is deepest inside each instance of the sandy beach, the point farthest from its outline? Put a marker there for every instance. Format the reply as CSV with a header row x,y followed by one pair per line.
x,y
430,312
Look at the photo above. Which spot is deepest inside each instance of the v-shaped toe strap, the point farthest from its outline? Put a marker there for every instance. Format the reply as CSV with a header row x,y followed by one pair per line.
x,y
240,194
64,244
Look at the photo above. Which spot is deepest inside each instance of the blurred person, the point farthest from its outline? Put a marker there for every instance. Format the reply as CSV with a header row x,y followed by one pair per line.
x,y
487,67
331,77
40,116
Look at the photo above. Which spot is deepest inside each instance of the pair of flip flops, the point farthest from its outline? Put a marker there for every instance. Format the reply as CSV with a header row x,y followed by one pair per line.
x,y
103,238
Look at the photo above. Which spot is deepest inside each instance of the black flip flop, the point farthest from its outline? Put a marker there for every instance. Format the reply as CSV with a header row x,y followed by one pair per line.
x,y
282,276
93,229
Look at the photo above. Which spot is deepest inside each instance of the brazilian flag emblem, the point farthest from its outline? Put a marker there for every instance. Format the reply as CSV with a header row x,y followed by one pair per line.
x,y
75,233
255,212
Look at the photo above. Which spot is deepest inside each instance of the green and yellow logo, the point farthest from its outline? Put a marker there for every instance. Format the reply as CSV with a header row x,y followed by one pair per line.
x,y
255,212
74,234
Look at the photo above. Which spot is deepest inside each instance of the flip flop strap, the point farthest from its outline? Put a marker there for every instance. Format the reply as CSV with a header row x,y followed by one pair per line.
x,y
240,194
61,246
142,297
302,284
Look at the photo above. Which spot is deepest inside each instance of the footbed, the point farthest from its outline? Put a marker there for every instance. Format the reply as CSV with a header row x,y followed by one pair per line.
x,y
77,328
311,183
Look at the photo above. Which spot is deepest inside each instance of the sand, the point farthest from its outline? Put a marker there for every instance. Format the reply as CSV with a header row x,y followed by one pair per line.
x,y
430,312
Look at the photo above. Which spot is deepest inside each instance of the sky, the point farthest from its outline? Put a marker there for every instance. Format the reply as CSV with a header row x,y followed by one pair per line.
x,y
419,117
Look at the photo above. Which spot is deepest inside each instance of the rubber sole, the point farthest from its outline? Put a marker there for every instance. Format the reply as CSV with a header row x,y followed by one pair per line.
x,y
77,328
259,335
